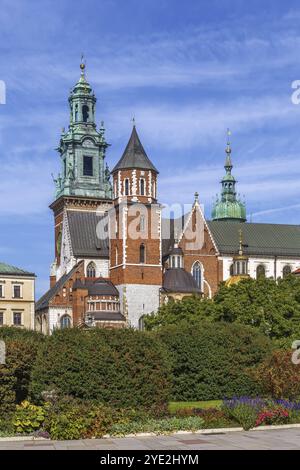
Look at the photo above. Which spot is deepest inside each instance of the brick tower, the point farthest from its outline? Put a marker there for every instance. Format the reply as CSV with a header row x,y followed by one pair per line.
x,y
135,233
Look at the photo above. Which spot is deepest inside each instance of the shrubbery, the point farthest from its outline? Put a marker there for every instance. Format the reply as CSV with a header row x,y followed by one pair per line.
x,y
278,376
21,350
122,368
212,361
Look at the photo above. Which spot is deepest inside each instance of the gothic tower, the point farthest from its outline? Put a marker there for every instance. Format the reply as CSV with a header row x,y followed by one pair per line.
x,y
228,207
135,232
84,180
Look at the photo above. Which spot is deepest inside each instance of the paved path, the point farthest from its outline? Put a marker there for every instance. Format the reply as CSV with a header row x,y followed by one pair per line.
x,y
273,439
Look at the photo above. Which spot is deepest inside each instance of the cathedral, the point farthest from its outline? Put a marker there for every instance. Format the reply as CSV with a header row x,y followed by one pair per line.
x,y
117,258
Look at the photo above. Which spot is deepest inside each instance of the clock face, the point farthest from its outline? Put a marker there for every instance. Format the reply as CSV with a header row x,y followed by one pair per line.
x,y
58,244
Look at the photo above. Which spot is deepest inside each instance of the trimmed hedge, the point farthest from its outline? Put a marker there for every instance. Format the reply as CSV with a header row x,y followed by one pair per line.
x,y
212,361
21,350
121,368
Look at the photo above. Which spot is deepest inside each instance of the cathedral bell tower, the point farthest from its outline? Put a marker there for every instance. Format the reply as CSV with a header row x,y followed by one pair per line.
x,y
84,180
135,233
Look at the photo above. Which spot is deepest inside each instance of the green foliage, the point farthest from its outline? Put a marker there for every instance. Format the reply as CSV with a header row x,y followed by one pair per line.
x,y
158,426
28,417
123,368
21,349
244,414
188,310
273,308
211,361
278,376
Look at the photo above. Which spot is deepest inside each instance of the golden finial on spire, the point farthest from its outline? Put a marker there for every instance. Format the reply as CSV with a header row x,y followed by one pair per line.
x,y
82,64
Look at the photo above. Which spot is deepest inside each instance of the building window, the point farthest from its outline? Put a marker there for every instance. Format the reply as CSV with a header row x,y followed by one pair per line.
x,y
231,270
142,323
142,187
87,166
117,256
286,270
260,272
65,321
91,269
142,223
126,187
17,291
197,273
17,318
1,290
1,318
85,113
142,253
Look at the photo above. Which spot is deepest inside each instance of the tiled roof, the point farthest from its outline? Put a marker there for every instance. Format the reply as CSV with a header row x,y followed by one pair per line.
x,y
179,280
8,269
88,233
258,239
97,287
134,155
105,315
43,302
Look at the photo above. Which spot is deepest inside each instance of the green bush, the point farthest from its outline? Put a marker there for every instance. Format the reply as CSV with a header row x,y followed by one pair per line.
x,y
211,361
28,417
122,368
21,350
158,426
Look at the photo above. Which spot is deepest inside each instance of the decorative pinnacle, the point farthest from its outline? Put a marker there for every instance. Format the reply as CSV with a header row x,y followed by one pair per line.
x,y
196,196
133,121
228,148
82,65
241,242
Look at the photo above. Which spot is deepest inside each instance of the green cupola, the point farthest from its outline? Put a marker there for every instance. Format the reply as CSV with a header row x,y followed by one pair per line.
x,y
82,148
228,206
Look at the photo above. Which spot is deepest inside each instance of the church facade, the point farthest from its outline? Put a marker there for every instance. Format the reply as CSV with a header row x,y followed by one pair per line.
x,y
117,258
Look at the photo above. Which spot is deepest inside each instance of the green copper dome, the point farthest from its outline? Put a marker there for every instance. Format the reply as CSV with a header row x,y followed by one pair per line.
x,y
228,206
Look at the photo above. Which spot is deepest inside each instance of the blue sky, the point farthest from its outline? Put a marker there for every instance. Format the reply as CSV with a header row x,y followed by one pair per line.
x,y
185,70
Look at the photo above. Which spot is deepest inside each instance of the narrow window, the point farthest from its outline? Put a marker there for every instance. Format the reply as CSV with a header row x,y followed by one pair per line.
x,y
286,270
260,272
91,270
85,113
231,270
126,187
197,273
17,292
142,223
87,166
117,256
1,318
65,321
17,318
142,253
142,187
76,113
1,291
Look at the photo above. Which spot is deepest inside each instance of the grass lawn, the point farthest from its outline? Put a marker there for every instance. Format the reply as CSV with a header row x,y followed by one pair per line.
x,y
179,405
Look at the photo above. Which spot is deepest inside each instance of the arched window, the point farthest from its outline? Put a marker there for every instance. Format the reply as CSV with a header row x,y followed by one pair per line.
x,y
142,323
85,113
142,253
197,273
260,272
76,112
142,187
231,270
65,321
142,223
126,187
286,270
91,270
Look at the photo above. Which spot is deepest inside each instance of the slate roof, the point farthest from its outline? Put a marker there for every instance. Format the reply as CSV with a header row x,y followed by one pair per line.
x,y
134,155
43,302
258,238
88,234
97,287
179,280
108,316
13,270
